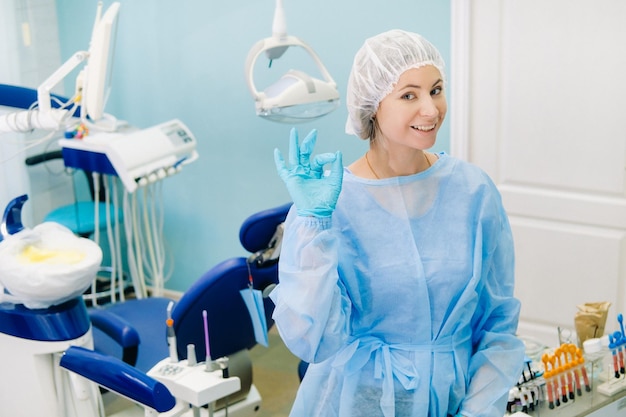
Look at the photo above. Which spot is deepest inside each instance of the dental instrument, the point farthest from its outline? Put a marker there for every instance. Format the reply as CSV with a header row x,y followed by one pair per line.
x,y
222,363
194,385
171,336
191,355
198,386
297,96
207,347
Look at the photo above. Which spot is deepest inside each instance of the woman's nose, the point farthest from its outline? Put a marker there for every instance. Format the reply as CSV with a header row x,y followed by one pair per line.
x,y
429,108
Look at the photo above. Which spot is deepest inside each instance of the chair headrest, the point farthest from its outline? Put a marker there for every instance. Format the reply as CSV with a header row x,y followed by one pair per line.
x,y
12,217
257,230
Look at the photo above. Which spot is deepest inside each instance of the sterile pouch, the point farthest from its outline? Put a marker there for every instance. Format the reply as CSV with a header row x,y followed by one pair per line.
x,y
590,320
254,302
46,265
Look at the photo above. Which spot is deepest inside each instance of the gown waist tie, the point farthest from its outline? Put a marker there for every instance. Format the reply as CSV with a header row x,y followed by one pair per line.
x,y
389,363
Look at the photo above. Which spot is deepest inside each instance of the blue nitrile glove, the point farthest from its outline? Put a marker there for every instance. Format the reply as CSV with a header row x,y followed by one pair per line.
x,y
312,193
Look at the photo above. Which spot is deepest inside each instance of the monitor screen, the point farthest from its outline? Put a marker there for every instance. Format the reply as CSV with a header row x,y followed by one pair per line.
x,y
100,62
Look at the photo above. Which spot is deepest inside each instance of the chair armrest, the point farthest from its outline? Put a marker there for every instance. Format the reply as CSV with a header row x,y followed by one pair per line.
x,y
120,331
119,377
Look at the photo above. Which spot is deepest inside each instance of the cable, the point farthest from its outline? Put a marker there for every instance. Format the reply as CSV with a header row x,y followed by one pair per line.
x,y
95,177
132,260
165,254
144,221
138,239
157,283
23,122
32,145
101,124
31,118
158,220
118,244
112,249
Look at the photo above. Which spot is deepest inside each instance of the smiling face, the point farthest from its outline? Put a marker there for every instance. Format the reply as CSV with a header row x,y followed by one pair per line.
x,y
411,115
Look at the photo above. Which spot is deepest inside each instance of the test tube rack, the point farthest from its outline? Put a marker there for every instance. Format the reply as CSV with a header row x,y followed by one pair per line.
x,y
564,374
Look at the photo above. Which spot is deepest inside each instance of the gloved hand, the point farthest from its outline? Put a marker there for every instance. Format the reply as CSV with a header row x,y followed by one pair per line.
x,y
312,193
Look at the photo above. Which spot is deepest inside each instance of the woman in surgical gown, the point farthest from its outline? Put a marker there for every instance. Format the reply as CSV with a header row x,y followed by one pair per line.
x,y
396,272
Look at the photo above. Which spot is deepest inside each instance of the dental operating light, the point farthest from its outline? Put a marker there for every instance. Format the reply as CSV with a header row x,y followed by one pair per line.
x,y
296,96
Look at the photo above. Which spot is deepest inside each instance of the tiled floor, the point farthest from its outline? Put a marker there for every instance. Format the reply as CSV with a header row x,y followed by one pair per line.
x,y
275,374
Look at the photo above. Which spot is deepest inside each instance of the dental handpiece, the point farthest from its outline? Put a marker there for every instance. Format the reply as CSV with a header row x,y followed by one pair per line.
x,y
171,340
171,335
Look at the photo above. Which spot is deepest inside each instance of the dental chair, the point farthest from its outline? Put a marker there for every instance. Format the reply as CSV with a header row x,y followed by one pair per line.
x,y
39,346
135,330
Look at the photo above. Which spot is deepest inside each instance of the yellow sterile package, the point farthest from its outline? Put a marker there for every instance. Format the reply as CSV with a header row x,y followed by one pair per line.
x,y
46,265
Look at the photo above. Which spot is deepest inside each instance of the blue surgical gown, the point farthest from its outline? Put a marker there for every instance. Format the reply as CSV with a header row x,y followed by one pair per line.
x,y
402,301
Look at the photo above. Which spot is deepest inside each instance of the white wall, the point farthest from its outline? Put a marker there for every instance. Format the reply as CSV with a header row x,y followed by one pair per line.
x,y
29,53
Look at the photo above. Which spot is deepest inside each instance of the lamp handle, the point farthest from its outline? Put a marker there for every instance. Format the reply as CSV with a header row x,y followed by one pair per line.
x,y
275,46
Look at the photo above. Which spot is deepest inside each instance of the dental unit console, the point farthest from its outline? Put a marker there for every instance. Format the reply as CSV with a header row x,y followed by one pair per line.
x,y
136,157
194,383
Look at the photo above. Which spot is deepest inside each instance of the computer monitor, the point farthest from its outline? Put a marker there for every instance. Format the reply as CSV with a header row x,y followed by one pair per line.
x,y
95,83
99,64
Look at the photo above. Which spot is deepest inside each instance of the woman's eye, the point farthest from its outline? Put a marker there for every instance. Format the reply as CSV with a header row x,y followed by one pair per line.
x,y
436,91
408,96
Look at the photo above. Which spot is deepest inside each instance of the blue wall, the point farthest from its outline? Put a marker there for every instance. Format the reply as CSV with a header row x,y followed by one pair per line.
x,y
185,59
